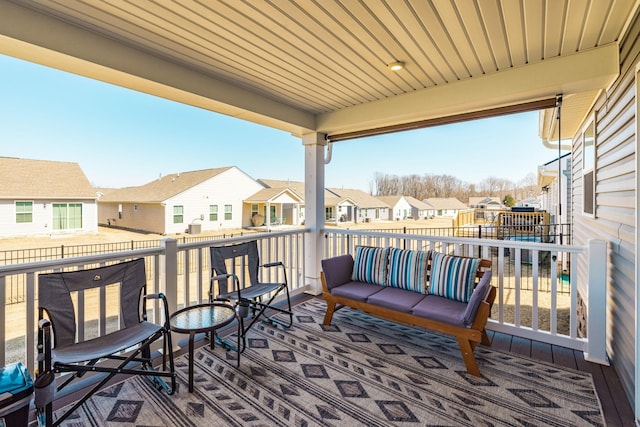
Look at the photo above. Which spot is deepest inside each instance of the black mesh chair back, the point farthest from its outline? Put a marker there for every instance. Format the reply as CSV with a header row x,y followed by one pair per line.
x,y
236,276
63,349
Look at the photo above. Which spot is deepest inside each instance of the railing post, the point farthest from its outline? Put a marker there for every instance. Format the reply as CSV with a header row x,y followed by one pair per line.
x,y
171,273
597,303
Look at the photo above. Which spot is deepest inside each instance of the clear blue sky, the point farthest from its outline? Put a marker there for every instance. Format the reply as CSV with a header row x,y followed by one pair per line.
x,y
124,138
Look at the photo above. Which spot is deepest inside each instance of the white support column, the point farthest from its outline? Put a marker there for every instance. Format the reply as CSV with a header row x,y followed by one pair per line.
x,y
636,408
171,273
314,144
597,303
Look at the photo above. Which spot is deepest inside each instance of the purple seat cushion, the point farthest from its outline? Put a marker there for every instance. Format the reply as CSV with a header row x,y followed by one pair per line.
x,y
441,309
357,291
337,270
396,299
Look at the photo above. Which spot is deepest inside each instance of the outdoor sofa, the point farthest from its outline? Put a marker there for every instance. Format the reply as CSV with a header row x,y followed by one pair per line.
x,y
444,293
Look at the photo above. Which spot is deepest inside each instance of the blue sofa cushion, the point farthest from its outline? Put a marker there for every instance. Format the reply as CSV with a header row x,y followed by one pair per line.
x,y
396,299
370,265
408,269
453,277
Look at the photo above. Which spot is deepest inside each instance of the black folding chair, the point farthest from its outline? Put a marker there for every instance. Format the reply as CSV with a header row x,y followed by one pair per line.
x,y
64,358
236,268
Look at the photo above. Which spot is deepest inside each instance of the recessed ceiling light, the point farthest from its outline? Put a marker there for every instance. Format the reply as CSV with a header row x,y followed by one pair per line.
x,y
396,66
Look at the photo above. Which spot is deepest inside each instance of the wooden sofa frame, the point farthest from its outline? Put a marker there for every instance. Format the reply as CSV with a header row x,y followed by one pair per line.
x,y
468,337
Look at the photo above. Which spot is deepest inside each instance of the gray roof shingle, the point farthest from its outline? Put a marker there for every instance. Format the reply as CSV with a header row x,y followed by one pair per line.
x,y
43,179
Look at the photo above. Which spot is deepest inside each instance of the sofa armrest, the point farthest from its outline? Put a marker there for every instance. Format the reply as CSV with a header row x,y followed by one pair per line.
x,y
337,270
479,294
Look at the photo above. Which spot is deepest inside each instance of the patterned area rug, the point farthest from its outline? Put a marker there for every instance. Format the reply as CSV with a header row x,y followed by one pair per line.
x,y
359,371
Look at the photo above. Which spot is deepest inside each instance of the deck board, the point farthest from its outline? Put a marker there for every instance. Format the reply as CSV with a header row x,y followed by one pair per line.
x,y
615,405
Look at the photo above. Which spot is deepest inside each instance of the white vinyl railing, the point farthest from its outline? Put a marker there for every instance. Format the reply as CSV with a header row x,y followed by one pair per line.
x,y
536,298
180,271
537,294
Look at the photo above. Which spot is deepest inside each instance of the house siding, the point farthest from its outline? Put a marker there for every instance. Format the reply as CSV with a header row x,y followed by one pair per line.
x,y
230,187
615,207
402,210
147,217
42,218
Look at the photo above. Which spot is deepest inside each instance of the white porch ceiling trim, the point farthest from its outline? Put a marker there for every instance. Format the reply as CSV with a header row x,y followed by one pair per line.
x,y
584,71
42,39
38,37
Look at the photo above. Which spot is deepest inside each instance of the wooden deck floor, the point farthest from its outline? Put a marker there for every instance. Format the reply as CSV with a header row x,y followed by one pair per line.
x,y
616,407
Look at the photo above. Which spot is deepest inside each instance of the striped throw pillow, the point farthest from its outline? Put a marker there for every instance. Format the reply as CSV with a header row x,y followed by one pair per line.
x,y
370,265
408,269
453,277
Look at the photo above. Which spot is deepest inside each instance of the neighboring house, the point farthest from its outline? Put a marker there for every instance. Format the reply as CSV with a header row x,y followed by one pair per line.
x,y
531,202
556,198
333,204
486,202
446,206
358,206
275,206
399,207
39,197
210,199
419,209
407,207
339,209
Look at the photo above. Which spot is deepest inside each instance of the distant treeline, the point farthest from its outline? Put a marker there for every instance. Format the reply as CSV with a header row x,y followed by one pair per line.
x,y
428,186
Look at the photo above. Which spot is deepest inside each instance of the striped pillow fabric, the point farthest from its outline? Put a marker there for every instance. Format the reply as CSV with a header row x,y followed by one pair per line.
x,y
408,269
453,277
370,265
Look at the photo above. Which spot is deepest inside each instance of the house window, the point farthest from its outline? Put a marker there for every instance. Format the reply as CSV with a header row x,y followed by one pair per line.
x,y
178,214
213,212
328,212
135,208
67,216
254,210
588,169
24,212
228,212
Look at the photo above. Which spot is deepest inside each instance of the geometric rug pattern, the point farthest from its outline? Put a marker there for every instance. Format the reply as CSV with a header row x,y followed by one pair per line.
x,y
360,371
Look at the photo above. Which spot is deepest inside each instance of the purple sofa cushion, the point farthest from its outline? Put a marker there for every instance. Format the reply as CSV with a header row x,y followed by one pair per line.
x,y
441,309
479,294
356,291
396,299
337,271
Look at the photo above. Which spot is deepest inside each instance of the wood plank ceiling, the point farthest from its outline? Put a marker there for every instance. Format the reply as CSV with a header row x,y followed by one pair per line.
x,y
324,56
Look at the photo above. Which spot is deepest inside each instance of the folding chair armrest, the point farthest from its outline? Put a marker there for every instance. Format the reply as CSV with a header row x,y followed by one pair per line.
x,y
165,303
273,264
44,323
219,277
277,264
44,345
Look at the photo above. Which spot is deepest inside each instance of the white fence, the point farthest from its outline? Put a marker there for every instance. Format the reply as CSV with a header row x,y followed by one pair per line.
x,y
532,300
181,272
537,288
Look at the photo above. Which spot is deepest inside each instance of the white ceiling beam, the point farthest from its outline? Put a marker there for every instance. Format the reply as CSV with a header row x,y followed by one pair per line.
x,y
579,72
36,37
